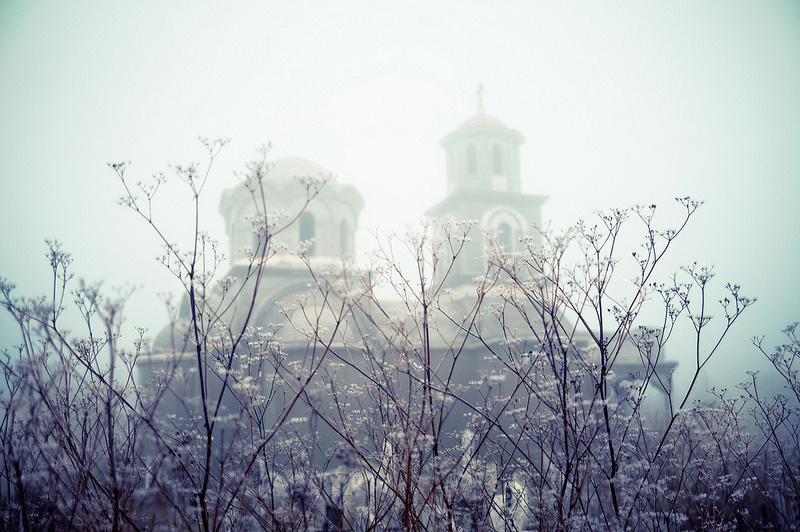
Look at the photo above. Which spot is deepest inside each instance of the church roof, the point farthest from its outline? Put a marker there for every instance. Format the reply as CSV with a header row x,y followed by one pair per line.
x,y
281,178
481,120
286,169
482,124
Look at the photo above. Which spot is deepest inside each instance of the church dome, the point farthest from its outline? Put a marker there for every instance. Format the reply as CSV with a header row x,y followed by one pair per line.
x,y
284,170
326,217
481,120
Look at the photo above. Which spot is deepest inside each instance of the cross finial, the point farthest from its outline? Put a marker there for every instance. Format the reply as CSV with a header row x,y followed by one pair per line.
x,y
480,98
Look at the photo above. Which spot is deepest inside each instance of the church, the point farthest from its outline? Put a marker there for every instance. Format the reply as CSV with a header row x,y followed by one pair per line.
x,y
483,178
347,384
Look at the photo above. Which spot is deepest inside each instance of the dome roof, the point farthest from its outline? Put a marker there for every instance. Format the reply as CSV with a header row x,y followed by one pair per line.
x,y
481,124
481,120
286,169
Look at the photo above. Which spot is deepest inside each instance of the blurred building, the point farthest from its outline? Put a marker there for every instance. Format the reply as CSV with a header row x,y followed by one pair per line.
x,y
301,314
484,184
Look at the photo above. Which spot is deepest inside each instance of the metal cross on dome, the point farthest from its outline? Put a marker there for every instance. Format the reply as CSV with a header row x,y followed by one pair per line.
x,y
480,98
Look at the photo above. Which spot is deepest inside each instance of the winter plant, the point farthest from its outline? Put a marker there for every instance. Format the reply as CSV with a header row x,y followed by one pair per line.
x,y
394,396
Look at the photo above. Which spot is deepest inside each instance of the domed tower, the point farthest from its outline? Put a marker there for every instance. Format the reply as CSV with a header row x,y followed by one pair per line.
x,y
255,297
483,154
484,184
330,219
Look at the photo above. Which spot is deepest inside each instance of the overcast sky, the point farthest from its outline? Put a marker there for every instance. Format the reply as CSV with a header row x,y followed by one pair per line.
x,y
620,103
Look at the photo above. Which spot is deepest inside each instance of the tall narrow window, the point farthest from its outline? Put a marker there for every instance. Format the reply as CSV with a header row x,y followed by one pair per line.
x,y
472,160
504,236
344,238
307,229
497,159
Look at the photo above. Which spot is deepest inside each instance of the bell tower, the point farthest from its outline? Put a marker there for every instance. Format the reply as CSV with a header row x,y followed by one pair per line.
x,y
484,184
483,154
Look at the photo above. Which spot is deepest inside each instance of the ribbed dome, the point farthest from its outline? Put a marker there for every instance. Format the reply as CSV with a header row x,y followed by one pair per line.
x,y
482,120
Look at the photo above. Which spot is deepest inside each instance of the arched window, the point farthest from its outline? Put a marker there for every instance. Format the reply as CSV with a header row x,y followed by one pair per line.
x,y
497,159
248,236
504,237
472,160
307,229
344,238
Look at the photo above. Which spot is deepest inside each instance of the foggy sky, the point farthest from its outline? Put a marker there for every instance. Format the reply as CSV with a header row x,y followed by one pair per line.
x,y
620,103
